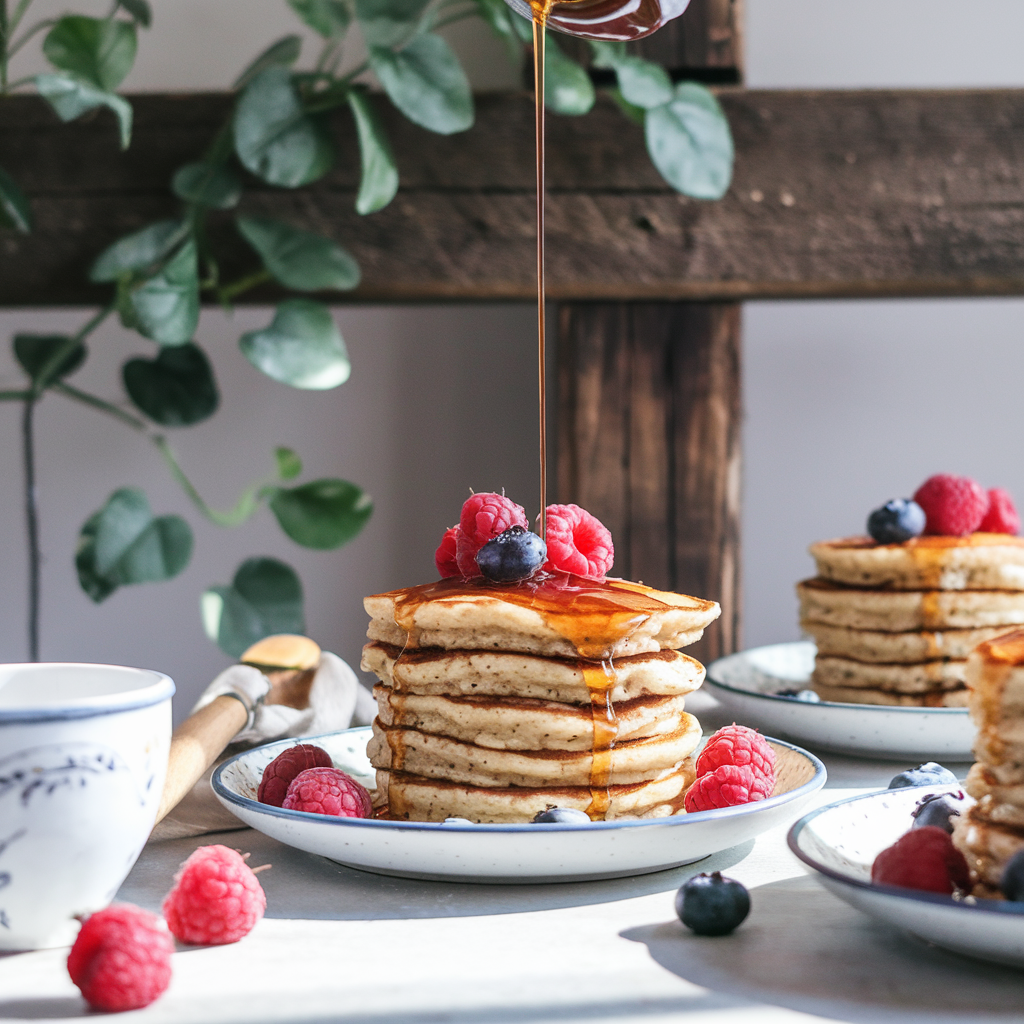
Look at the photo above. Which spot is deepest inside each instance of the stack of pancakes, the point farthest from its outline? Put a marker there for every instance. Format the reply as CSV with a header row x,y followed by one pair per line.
x,y
497,701
993,830
894,623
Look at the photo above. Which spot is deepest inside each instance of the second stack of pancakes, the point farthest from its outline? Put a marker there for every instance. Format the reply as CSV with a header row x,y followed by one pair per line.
x,y
498,701
894,623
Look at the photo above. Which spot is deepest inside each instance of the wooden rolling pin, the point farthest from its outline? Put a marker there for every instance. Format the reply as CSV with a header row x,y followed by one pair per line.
x,y
288,661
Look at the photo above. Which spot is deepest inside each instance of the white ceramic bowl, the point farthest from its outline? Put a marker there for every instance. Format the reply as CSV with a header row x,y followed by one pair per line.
x,y
83,754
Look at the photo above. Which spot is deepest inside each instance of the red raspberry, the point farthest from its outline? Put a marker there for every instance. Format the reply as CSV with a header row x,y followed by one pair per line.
x,y
445,556
578,542
954,506
1001,516
216,898
121,959
924,858
726,786
328,791
738,745
278,775
483,517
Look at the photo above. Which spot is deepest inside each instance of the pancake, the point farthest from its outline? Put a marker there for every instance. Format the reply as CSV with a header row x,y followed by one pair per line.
x,y
862,695
979,561
1002,804
923,677
439,757
987,847
909,647
557,615
900,611
517,723
510,674
414,798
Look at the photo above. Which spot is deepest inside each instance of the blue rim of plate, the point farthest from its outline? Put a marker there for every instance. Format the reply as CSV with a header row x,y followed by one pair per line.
x,y
936,899
820,703
810,786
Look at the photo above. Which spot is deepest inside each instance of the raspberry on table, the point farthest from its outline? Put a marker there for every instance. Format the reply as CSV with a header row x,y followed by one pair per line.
x,y
925,858
1001,516
445,556
738,745
328,791
484,517
278,775
954,506
726,786
121,959
216,898
578,542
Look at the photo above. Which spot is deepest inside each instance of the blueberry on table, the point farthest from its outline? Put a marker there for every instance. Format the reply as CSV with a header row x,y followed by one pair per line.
x,y
513,555
712,905
561,816
1012,882
927,774
938,809
896,521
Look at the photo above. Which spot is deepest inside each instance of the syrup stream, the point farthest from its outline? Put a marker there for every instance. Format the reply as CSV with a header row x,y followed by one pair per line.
x,y
539,38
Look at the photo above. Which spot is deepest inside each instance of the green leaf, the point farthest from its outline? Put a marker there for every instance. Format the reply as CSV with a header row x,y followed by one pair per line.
x,y
282,54
35,351
14,209
635,114
123,543
690,143
427,84
139,10
275,138
166,305
567,86
98,51
299,259
388,22
379,181
176,389
71,98
139,252
289,465
641,82
212,185
302,347
499,17
264,598
322,514
328,17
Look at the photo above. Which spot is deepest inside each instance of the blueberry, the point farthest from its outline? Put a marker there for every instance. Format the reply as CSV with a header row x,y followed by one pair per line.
x,y
458,821
928,774
806,696
513,555
712,905
938,809
896,521
1012,882
561,816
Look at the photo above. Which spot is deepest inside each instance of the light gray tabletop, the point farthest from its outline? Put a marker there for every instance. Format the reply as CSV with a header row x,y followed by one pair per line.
x,y
343,945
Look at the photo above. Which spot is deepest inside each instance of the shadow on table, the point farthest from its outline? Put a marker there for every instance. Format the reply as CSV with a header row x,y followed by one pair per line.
x,y
806,950
43,1008
303,886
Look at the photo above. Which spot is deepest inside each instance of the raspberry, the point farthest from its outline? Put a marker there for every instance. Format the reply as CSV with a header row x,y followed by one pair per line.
x,y
954,506
1001,516
328,791
483,517
726,786
216,897
121,959
278,775
444,557
924,858
578,542
738,745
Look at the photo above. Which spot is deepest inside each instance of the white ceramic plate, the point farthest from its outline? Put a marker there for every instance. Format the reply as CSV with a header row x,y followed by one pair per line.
x,y
507,853
840,842
747,684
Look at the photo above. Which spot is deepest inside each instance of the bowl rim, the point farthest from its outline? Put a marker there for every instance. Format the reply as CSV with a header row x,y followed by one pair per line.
x,y
160,689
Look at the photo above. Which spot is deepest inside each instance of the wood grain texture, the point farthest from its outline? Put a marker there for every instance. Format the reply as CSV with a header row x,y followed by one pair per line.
x,y
835,194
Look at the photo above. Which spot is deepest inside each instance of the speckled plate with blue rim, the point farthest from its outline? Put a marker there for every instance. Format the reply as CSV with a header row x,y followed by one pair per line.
x,y
748,684
840,841
519,853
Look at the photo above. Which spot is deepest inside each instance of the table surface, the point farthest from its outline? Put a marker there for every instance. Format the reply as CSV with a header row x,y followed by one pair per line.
x,y
343,945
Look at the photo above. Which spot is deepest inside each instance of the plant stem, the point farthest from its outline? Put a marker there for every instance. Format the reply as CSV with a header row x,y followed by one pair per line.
x,y
43,378
103,406
229,291
14,396
31,526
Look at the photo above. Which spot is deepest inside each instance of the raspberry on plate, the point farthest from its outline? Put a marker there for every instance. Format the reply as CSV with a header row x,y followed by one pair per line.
x,y
328,791
445,556
1001,516
484,517
278,775
121,959
216,898
578,542
726,786
738,745
954,506
925,858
